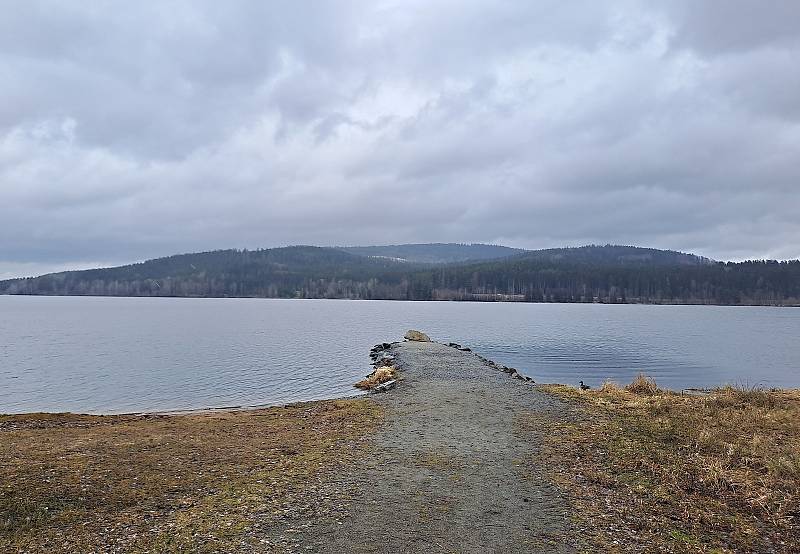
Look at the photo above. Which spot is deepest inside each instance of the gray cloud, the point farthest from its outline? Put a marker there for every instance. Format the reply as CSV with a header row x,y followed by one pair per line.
x,y
132,130
733,26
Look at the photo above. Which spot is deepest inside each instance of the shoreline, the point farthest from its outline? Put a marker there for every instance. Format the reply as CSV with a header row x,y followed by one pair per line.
x,y
469,301
459,450
689,391
191,411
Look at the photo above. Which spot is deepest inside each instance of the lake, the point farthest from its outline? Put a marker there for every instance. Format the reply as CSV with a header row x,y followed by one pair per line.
x,y
114,355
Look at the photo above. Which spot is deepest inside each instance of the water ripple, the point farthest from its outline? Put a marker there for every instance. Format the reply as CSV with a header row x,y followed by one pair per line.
x,y
107,355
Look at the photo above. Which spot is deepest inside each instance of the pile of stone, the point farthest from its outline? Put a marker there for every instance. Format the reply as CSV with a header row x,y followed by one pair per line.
x,y
383,376
512,372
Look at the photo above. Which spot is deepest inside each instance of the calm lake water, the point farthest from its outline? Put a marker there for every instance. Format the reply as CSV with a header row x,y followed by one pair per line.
x,y
111,355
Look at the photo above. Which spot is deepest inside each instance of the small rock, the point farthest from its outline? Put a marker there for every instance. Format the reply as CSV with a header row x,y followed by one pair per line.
x,y
383,387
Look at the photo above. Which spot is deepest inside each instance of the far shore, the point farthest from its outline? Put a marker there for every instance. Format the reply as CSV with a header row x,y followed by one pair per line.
x,y
471,300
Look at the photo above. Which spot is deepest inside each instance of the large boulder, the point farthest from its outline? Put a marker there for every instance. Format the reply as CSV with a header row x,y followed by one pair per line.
x,y
418,336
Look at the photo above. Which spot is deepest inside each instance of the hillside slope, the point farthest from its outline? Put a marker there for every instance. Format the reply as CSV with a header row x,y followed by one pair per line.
x,y
616,274
609,274
436,253
612,254
276,272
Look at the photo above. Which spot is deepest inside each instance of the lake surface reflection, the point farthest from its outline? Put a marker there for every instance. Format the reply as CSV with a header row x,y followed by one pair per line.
x,y
111,355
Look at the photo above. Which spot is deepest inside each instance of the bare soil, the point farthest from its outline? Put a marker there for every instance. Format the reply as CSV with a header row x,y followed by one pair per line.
x,y
459,456
449,471
232,481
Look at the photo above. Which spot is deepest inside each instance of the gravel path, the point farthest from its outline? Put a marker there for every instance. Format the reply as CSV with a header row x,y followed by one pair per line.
x,y
448,472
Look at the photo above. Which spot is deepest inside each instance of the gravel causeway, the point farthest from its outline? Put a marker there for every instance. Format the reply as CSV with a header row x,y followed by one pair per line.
x,y
447,471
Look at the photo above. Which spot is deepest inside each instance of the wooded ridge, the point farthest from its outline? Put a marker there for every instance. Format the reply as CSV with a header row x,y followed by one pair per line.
x,y
608,274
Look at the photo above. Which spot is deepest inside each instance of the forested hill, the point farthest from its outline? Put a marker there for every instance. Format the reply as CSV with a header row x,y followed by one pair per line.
x,y
271,273
436,253
643,280
610,274
613,255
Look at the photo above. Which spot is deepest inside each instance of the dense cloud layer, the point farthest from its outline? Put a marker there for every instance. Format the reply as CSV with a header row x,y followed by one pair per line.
x,y
135,129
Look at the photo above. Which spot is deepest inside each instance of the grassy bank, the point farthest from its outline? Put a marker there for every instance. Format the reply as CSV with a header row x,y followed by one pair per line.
x,y
652,470
197,482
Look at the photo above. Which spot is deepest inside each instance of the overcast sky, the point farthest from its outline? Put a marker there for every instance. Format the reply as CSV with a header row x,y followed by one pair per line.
x,y
130,130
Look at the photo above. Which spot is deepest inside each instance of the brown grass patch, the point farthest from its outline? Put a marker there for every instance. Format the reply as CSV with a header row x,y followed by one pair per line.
x,y
653,469
608,387
377,377
198,482
643,385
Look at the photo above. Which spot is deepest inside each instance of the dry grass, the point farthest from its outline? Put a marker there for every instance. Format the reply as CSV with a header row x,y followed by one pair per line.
x,y
377,377
643,386
198,482
713,472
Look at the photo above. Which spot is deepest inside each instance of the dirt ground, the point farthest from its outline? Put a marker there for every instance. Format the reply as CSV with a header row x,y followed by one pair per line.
x,y
435,465
448,471
458,457
209,482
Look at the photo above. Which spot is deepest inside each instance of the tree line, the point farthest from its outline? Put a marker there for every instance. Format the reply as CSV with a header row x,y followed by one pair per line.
x,y
591,274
